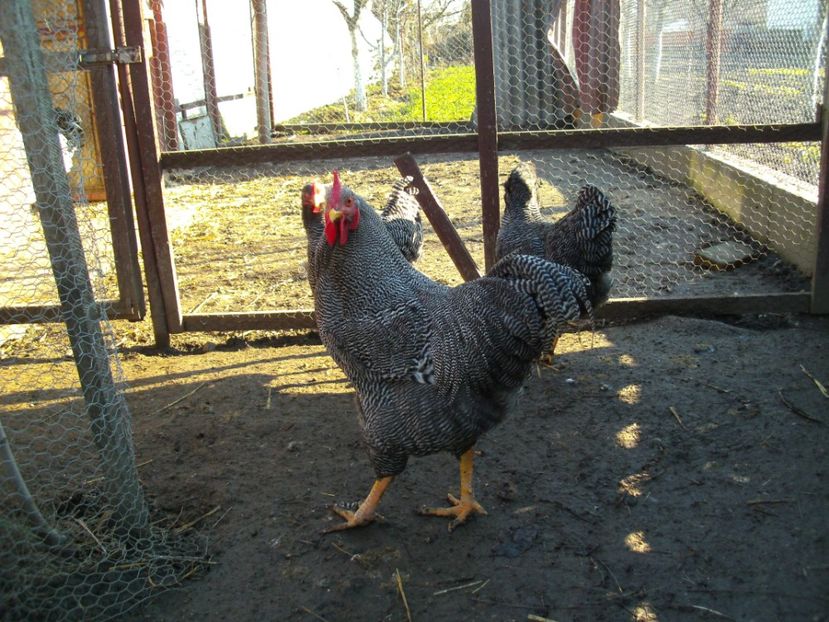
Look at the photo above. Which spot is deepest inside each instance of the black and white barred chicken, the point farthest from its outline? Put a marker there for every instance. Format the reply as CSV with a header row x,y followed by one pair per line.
x,y
401,214
433,367
582,239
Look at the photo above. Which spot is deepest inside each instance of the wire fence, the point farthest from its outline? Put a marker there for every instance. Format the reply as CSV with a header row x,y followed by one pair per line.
x,y
76,536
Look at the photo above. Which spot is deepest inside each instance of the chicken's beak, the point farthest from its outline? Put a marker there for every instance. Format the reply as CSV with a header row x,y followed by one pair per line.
x,y
334,215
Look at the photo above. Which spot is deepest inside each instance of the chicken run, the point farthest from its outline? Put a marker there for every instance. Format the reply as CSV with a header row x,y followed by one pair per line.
x,y
645,467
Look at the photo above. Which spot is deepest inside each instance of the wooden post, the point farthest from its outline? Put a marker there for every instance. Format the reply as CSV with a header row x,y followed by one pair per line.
x,y
162,82
105,405
156,220
487,126
107,121
158,314
209,71
261,74
713,47
434,211
820,276
641,30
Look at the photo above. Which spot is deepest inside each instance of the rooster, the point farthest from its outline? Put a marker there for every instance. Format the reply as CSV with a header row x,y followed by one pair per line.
x,y
434,367
582,239
401,215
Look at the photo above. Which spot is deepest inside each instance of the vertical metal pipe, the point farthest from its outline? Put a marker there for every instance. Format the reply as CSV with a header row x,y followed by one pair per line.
x,y
209,71
713,47
487,125
261,73
162,82
641,30
420,53
820,276
105,405
107,121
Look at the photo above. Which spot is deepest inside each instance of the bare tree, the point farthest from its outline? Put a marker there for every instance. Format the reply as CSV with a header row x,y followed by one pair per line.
x,y
352,21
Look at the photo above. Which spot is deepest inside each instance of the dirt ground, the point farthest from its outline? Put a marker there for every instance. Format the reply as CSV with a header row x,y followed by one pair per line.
x,y
654,474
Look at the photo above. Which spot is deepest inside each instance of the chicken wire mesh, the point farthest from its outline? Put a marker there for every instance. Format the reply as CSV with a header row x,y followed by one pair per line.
x,y
387,68
76,540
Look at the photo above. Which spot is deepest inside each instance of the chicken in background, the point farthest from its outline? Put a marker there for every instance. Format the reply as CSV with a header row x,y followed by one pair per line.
x,y
582,239
434,367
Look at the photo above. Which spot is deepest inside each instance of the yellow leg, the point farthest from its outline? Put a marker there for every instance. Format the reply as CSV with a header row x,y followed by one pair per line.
x,y
365,513
466,505
597,119
547,358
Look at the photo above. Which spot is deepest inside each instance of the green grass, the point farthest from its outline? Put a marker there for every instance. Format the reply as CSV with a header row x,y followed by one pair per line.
x,y
450,96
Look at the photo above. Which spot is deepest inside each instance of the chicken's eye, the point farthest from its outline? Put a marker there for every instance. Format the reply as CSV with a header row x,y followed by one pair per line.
x,y
349,202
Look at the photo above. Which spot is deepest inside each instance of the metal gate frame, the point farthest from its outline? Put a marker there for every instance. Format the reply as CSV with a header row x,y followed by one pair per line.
x,y
99,59
486,142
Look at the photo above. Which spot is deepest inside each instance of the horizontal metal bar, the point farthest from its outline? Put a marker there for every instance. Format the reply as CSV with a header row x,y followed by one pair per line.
x,y
223,98
48,314
326,128
614,309
629,308
318,150
463,143
659,136
252,320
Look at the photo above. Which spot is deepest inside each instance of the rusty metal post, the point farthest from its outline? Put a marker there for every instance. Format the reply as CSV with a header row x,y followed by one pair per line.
x,y
156,297
820,276
209,71
156,220
641,29
107,121
261,70
713,47
446,232
162,80
487,125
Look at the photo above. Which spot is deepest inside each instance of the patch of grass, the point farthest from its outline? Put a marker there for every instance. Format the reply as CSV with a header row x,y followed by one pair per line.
x,y
450,95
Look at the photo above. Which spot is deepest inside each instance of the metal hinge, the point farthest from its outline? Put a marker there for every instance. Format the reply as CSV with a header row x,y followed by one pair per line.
x,y
118,56
57,62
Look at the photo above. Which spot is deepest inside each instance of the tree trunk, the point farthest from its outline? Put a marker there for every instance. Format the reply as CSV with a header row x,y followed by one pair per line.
x,y
360,102
384,80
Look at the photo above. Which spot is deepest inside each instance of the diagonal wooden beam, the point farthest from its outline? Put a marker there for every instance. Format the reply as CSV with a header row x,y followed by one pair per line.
x,y
434,211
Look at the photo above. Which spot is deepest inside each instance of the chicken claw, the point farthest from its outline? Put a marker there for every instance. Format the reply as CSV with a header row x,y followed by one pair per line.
x,y
466,505
461,509
366,513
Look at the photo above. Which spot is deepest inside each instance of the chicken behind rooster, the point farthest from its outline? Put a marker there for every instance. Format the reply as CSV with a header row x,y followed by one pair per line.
x,y
433,367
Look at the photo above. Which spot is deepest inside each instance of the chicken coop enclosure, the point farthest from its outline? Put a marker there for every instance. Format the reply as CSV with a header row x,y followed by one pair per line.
x,y
154,154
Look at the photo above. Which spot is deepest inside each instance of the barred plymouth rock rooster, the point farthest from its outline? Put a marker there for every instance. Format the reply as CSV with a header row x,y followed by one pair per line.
x,y
401,215
582,239
434,367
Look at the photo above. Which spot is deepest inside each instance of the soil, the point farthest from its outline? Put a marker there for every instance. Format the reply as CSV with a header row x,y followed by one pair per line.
x,y
654,473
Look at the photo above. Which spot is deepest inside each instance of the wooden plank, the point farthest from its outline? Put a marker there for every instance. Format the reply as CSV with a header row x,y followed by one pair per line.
x,y
325,128
113,162
154,293
150,171
253,320
629,308
487,126
434,211
162,82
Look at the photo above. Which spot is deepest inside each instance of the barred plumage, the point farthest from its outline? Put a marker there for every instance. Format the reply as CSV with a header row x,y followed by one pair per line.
x,y
402,217
582,239
433,367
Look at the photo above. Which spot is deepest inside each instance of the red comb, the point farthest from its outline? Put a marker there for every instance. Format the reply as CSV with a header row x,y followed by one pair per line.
x,y
336,189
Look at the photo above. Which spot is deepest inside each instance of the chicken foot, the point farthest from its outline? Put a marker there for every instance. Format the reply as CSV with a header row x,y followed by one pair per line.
x,y
465,506
365,514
